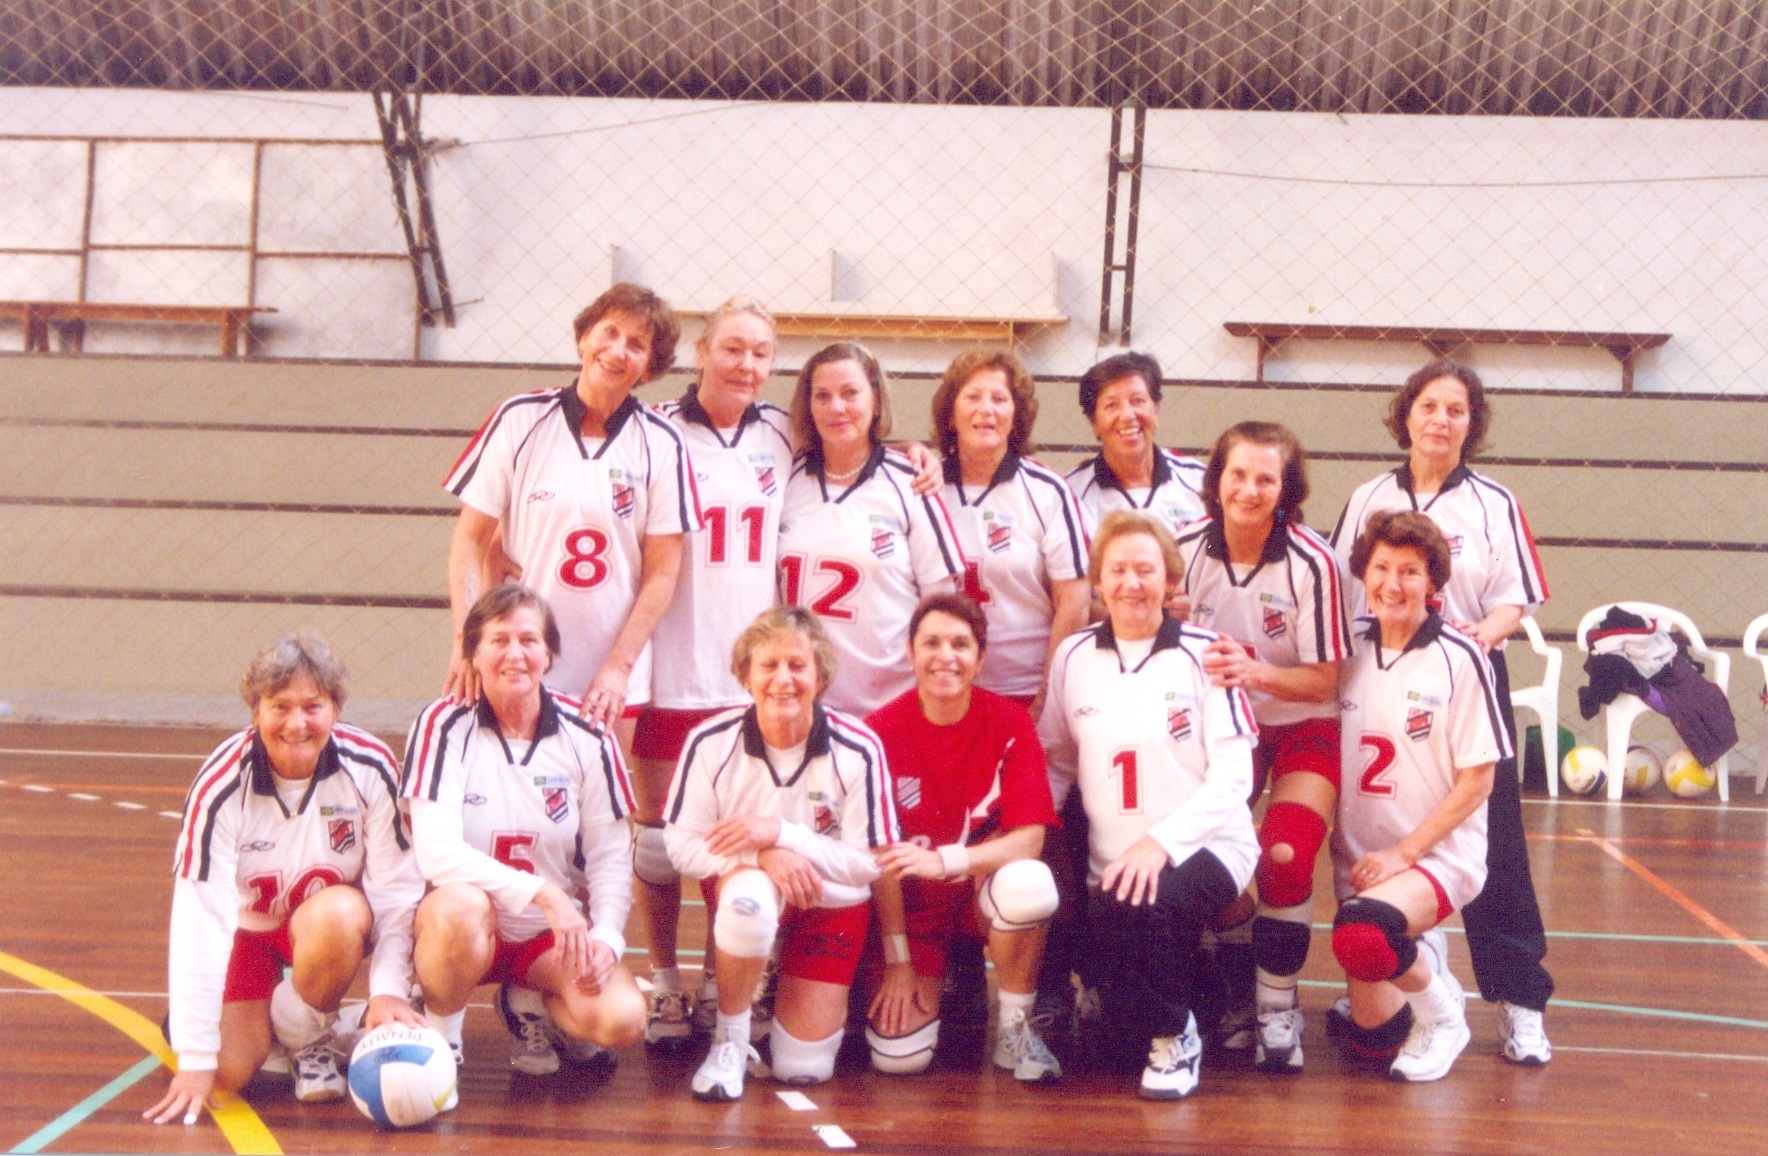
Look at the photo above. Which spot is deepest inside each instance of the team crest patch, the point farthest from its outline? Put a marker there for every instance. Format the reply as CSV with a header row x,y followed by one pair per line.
x,y
624,499
1275,627
1418,724
764,477
999,537
883,542
908,793
343,835
1178,722
1454,541
823,816
558,804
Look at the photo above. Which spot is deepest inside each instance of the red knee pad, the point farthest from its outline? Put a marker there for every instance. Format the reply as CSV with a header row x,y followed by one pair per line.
x,y
1287,884
1370,942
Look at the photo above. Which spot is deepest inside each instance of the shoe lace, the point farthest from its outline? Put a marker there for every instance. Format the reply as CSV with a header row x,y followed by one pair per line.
x,y
1526,1032
315,1062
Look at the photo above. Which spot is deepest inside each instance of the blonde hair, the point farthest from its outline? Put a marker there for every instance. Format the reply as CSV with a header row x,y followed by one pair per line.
x,y
1123,523
777,623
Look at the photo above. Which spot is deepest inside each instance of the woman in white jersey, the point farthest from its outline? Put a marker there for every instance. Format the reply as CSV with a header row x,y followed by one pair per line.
x,y
742,454
1441,417
290,856
784,802
1121,398
519,809
592,492
1163,759
857,545
1421,736
1270,586
1018,524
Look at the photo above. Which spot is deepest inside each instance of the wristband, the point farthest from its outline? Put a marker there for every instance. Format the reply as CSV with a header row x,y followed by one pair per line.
x,y
955,858
896,949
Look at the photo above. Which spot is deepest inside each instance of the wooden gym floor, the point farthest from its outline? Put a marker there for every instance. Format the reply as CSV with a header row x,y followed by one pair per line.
x,y
1655,910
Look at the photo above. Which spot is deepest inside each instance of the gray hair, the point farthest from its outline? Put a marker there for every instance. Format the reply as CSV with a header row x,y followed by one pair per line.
x,y
292,655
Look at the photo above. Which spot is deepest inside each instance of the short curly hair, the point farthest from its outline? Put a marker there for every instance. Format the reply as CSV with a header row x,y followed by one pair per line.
x,y
1479,410
777,623
289,657
645,305
1404,530
958,374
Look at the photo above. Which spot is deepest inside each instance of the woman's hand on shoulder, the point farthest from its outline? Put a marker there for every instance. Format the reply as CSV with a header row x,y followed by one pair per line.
x,y
929,470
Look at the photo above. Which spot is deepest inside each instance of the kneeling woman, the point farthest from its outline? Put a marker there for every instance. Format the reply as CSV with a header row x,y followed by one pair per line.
x,y
973,798
290,855
1421,736
518,806
784,802
1163,758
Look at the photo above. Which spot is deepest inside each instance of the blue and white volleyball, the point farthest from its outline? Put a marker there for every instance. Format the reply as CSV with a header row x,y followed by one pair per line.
x,y
401,1076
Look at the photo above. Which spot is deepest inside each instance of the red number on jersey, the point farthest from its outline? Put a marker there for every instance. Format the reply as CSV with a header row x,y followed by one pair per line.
x,y
268,888
973,583
753,519
828,604
308,884
583,567
1378,756
511,849
1129,780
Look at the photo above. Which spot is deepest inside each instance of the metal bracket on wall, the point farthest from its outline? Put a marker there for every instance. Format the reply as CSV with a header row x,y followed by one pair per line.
x,y
403,143
1120,167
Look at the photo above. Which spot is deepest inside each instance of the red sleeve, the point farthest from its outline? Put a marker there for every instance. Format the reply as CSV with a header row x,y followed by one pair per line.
x,y
1025,781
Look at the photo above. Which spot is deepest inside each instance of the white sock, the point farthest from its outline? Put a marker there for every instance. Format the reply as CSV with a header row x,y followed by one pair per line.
x,y
296,1023
448,1025
1436,1003
666,978
1275,992
1014,1005
734,1027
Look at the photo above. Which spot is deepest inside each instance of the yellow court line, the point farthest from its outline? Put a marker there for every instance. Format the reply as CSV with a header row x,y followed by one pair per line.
x,y
1718,926
242,1127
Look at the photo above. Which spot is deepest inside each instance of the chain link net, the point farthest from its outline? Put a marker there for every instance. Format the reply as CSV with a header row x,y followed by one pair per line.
x,y
415,197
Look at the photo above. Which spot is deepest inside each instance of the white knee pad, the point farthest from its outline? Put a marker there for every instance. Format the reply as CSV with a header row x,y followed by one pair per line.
x,y
1019,896
797,1061
904,1055
650,858
748,918
296,1024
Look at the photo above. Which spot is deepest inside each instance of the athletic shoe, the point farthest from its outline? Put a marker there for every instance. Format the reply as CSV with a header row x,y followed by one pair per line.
x,y
277,1063
1022,1051
721,1074
1525,1037
1338,1018
705,1016
1430,1050
579,1053
317,1079
667,1021
1279,1041
1171,1073
1238,1028
531,1052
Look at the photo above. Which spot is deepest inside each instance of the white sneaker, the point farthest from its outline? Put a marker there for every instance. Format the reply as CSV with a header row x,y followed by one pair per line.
x,y
317,1079
1525,1037
721,1074
667,1021
1430,1050
1171,1073
705,1016
1279,1041
531,1052
1020,1050
277,1063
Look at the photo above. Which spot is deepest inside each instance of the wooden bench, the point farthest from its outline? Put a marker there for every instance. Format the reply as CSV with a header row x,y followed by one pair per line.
x,y
70,318
1443,341
929,327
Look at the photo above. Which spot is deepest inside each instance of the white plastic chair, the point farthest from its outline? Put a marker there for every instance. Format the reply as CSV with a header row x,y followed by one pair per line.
x,y
1620,713
1544,701
1752,647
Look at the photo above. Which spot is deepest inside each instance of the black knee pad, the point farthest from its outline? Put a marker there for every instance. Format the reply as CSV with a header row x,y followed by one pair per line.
x,y
1279,946
1382,1043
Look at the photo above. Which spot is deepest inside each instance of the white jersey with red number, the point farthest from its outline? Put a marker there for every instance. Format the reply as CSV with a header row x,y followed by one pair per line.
x,y
863,558
1288,610
1021,532
1174,499
246,859
832,800
505,816
1155,749
1411,720
1493,555
728,573
575,514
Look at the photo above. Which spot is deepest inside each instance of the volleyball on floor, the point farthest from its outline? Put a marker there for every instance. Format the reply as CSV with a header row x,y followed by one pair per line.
x,y
1686,777
1643,770
1584,770
401,1076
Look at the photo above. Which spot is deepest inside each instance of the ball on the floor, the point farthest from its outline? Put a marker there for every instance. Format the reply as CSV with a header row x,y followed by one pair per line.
x,y
1686,777
1643,771
401,1076
1584,770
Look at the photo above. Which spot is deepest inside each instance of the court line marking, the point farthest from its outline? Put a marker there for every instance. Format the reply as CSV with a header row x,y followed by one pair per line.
x,y
76,1115
54,751
1694,909
152,788
1717,808
1663,1013
1660,1053
245,1132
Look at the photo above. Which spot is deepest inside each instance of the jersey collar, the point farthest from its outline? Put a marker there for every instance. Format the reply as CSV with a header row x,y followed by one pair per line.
x,y
1216,543
815,747
1002,475
264,779
1107,477
575,412
690,409
1166,638
813,461
1403,475
1428,632
546,727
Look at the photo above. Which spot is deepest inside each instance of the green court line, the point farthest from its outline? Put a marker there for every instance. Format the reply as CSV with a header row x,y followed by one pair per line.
x,y
1622,936
76,1115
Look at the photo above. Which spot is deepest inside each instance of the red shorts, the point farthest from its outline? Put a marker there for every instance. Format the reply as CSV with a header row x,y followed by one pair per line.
x,y
510,961
255,966
1309,745
662,733
823,943
935,913
1444,907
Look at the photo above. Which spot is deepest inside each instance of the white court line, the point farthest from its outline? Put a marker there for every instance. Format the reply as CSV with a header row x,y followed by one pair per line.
x,y
1668,1055
833,1136
52,752
132,806
41,790
170,815
797,1101
82,796
1731,808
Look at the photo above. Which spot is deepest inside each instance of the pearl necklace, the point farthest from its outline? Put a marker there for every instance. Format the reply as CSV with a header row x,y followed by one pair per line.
x,y
842,479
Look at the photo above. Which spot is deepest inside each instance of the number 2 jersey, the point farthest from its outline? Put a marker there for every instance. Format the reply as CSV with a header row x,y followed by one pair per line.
x,y
246,859
575,515
1410,721
505,816
1155,749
